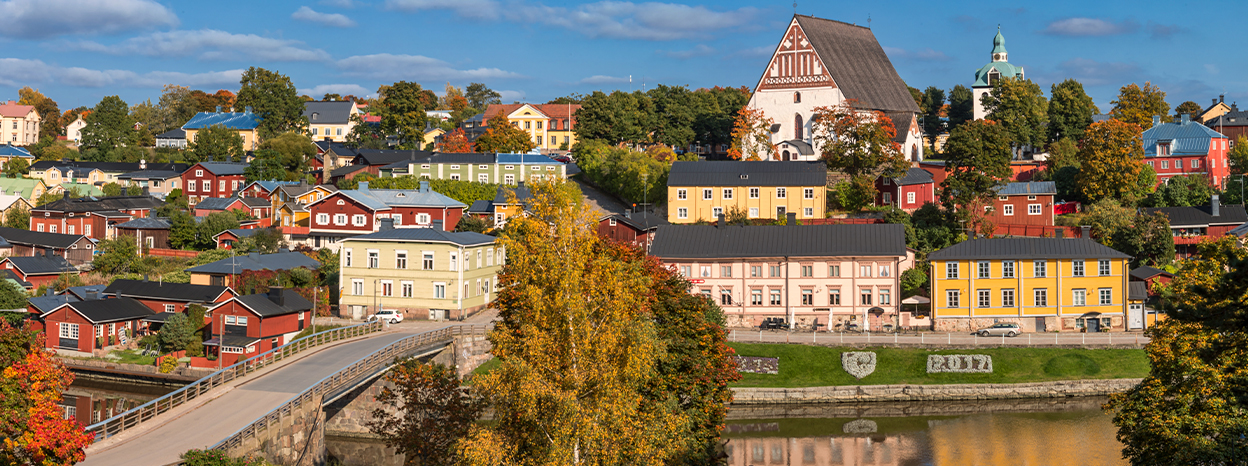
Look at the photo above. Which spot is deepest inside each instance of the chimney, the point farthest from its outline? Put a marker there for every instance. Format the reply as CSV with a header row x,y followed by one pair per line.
x,y
385,224
520,184
1222,98
276,295
1215,101
1085,232
142,164
363,186
437,225
91,295
283,250
218,109
628,214
424,186
1156,120
721,223
1059,232
792,220
329,139
65,195
1185,119
1215,205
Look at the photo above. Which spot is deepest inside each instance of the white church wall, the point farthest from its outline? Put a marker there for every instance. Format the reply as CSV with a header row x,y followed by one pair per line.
x,y
779,106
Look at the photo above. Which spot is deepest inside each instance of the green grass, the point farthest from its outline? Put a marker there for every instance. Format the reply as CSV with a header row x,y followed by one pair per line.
x,y
314,329
816,366
133,357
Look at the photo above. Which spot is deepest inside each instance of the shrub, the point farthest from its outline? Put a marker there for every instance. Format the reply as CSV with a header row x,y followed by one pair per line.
x,y
168,363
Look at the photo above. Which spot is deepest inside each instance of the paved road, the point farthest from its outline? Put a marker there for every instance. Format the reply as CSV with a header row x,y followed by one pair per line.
x,y
940,339
595,198
219,418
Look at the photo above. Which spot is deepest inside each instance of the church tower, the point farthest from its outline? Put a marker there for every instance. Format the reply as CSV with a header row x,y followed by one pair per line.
x,y
989,74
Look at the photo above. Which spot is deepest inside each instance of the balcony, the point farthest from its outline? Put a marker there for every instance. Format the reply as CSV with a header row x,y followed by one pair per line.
x,y
295,231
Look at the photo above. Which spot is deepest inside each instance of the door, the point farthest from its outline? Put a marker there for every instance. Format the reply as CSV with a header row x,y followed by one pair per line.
x,y
1135,316
780,213
1094,324
1040,327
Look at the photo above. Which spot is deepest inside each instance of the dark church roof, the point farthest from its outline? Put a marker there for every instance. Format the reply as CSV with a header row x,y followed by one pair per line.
x,y
858,64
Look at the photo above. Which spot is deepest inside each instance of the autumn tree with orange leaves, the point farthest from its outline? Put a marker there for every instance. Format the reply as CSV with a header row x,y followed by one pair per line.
x,y
31,426
858,143
751,136
456,142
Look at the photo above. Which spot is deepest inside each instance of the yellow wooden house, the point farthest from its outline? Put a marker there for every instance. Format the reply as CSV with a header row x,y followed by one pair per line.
x,y
764,190
550,126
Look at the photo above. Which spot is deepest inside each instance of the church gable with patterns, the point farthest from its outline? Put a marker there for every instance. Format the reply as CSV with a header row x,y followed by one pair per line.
x,y
822,63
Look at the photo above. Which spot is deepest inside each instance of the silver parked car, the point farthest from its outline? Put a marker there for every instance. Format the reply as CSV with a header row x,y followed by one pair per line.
x,y
1008,329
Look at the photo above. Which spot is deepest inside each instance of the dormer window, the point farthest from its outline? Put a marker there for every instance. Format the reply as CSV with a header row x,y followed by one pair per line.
x,y
1163,148
315,116
993,76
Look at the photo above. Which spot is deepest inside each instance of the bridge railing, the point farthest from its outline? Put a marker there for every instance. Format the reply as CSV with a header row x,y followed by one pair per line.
x,y
150,410
350,375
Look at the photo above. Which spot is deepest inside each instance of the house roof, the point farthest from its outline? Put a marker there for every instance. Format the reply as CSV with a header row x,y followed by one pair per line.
x,y
640,221
328,113
269,185
13,110
115,167
347,170
146,223
91,204
1231,118
1027,248
176,133
150,175
230,120
384,199
427,235
7,200
256,202
265,307
521,191
914,176
83,291
1137,291
1240,231
38,238
481,207
231,340
382,157
45,304
736,241
1027,188
552,111
735,173
1189,138
41,265
224,168
801,146
239,264
24,187
239,233
1200,216
1145,273
85,189
10,150
102,311
216,203
858,64
185,292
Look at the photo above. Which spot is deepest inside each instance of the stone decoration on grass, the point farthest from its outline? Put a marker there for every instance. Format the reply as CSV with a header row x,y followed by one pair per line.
x,y
960,363
860,426
858,364
758,365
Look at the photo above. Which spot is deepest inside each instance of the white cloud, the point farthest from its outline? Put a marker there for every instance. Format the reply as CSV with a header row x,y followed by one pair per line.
x,y
210,44
1081,27
38,19
699,50
338,3
614,19
511,96
340,89
387,66
601,79
329,19
926,54
15,72
1095,73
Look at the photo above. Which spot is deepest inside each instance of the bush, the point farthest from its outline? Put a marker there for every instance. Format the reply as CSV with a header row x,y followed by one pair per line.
x,y
168,363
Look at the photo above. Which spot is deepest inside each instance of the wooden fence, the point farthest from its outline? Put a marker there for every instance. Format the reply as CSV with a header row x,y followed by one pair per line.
x,y
178,253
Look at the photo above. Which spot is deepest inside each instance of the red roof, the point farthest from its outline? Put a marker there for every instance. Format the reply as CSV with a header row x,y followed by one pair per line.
x,y
13,110
553,111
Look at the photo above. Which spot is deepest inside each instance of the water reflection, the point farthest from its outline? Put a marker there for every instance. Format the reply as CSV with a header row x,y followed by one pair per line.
x,y
1018,433
91,401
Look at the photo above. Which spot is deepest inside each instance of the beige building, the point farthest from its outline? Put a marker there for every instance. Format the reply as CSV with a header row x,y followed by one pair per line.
x,y
704,190
550,126
332,120
19,124
823,277
425,273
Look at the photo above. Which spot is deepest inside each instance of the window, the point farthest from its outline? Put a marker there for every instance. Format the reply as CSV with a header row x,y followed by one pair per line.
x,y
682,194
686,270
1102,268
357,287
509,179
781,193
1079,298
439,290
725,297
1178,164
886,297
808,270
1040,269
1007,298
1106,295
864,271
808,212
753,212
554,140
455,176
756,271
951,270
753,193
1007,269
171,308
400,259
864,297
985,298
705,271
423,219
190,186
322,219
1033,209
489,257
483,177
707,194
1165,164
52,228
346,257
834,270
727,193
1041,297
454,262
1007,209
756,297
1163,148
797,97
221,186
775,298
39,227
682,213
983,269
775,271
1195,164
69,331
808,193
1077,268
834,297
885,270
340,219
405,288
374,258
909,198
725,271
70,229
717,211
387,288
199,173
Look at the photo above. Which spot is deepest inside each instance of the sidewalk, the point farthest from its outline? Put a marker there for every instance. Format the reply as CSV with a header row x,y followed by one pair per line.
x,y
934,339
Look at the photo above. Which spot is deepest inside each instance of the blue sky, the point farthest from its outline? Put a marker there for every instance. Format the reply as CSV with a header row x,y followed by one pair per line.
x,y
78,51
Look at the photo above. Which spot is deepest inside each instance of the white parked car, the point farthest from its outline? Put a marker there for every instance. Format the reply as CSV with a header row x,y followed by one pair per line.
x,y
388,315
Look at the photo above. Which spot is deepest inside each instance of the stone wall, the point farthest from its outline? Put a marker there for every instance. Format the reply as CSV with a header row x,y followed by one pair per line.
x,y
879,409
297,440
864,393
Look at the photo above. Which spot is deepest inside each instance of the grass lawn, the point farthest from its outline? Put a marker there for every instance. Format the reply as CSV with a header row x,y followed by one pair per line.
x,y
133,357
314,329
817,366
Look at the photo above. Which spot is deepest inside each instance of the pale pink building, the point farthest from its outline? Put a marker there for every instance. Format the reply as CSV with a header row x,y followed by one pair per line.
x,y
829,277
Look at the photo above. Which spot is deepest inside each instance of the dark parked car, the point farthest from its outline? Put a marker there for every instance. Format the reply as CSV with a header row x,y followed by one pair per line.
x,y
772,323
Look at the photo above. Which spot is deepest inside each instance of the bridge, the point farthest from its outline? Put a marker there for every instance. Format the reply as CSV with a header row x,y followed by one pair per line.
x,y
274,409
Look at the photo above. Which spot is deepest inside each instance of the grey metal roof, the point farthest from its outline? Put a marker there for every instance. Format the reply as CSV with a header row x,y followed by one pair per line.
x,y
1240,231
640,221
733,173
45,304
1189,138
481,207
1231,118
102,311
147,223
239,233
38,238
858,64
238,264
149,175
914,176
431,235
91,204
1027,188
83,291
176,133
231,340
265,307
388,156
1027,248
347,170
328,113
256,202
1145,273
185,292
121,167
423,197
735,241
1137,291
215,203
41,265
802,147
1201,216
521,191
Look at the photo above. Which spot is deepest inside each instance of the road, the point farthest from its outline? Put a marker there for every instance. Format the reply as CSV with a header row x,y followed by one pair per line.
x,y
219,418
933,339
593,197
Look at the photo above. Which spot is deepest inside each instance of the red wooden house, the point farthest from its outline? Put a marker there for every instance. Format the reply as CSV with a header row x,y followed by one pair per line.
x,y
1029,203
83,326
168,297
91,217
908,192
1186,148
244,326
1152,277
76,249
632,228
358,211
39,270
213,179
1192,225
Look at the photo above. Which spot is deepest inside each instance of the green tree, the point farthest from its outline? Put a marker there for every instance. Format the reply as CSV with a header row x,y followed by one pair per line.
x,y
176,107
1238,156
116,256
214,223
18,217
425,412
109,125
112,190
1070,111
215,142
961,106
481,97
272,96
295,150
12,296
1138,105
1111,156
933,104
403,114
16,168
1145,237
917,95
266,166
613,118
1182,191
1192,109
503,137
858,143
1021,109
977,160
474,224
183,231
673,115
1062,167
148,115
264,241
49,113
177,333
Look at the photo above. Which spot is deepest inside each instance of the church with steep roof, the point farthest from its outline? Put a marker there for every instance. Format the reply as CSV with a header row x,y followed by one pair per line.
x,y
989,74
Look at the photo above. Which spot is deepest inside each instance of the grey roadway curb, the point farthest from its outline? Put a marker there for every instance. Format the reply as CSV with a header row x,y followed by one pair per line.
x,y
216,392
906,392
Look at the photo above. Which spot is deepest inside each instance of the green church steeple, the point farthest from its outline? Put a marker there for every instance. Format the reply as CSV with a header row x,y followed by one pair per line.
x,y
998,46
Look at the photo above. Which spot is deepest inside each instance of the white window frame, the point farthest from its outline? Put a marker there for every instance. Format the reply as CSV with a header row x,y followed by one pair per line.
x,y
910,198
1007,269
727,194
1007,210
406,288
681,212
359,220
1103,268
754,193
782,193
400,259
953,298
1105,296
1034,209
1007,297
340,219
1040,269
682,194
808,193
1079,297
708,194
951,270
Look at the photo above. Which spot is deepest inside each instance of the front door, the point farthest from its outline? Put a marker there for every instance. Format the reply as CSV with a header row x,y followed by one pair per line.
x,y
780,212
1135,316
1094,324
1040,327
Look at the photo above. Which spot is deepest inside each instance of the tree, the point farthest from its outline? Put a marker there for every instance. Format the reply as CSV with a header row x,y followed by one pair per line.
x,y
117,256
503,137
977,161
31,422
1111,155
403,113
264,241
1192,109
961,106
12,296
112,189
455,142
672,116
1139,105
49,113
1238,156
425,413
1182,191
1061,168
614,118
474,224
176,107
1145,237
267,165
108,125
177,333
917,95
858,143
16,168
480,97
751,136
1070,111
1021,109
215,142
273,97
214,223
294,150
147,115
18,217
933,103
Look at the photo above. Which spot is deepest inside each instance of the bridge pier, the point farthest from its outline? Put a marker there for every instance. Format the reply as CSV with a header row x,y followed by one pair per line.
x,y
298,438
